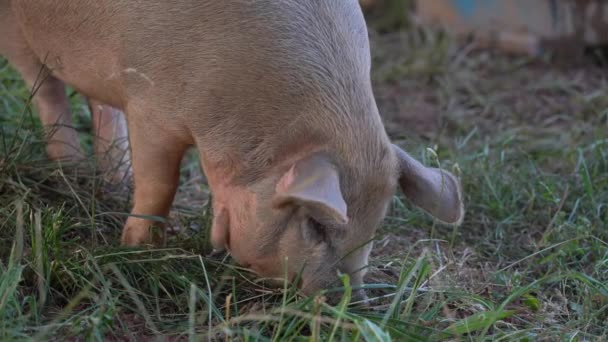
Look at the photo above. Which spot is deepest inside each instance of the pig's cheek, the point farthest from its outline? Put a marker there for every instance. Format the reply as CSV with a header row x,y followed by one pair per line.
x,y
266,267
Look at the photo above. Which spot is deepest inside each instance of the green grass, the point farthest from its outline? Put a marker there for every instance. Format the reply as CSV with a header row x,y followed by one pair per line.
x,y
529,263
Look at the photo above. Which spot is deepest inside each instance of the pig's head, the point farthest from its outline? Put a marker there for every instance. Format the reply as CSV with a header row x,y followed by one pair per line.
x,y
314,217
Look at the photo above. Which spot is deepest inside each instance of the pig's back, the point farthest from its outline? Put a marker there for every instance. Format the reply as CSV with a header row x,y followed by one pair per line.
x,y
253,68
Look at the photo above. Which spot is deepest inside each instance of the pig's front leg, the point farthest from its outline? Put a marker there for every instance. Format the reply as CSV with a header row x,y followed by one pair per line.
x,y
156,153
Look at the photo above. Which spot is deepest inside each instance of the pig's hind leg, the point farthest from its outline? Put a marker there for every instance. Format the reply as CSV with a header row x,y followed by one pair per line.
x,y
50,99
110,141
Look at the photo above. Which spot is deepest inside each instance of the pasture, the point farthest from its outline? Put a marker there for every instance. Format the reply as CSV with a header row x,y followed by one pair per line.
x,y
529,139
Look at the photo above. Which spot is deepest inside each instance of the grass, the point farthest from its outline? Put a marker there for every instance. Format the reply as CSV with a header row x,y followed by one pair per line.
x,y
530,262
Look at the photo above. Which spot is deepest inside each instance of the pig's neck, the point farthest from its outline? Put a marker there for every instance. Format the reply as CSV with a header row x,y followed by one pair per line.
x,y
354,149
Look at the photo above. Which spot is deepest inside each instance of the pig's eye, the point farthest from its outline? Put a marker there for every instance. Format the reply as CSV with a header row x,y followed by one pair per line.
x,y
315,231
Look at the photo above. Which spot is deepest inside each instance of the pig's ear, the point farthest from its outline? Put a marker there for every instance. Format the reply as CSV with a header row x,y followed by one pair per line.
x,y
435,191
313,183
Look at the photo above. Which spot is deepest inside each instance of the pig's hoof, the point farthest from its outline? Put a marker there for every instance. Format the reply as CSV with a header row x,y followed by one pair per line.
x,y
136,237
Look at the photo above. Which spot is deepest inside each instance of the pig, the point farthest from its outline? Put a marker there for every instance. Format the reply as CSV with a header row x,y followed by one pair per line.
x,y
275,95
